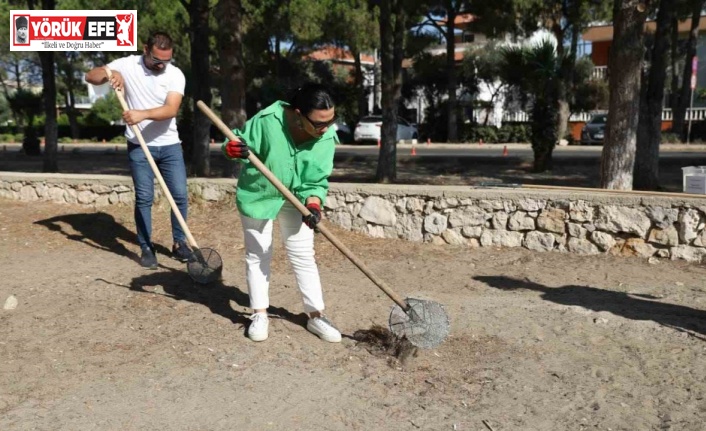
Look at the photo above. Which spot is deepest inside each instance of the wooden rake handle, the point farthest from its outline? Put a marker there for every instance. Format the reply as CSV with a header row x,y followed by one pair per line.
x,y
121,97
294,201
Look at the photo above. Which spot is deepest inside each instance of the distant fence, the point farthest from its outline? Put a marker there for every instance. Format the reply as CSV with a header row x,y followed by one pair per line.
x,y
479,116
599,72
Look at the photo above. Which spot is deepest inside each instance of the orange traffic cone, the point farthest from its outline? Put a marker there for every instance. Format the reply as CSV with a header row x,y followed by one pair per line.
x,y
480,142
378,142
104,140
428,141
505,151
414,150
213,141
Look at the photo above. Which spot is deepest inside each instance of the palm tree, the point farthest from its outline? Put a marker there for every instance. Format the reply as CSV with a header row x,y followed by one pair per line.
x,y
535,72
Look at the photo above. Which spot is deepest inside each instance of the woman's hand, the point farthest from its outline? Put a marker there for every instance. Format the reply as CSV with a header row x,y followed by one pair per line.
x,y
236,149
314,218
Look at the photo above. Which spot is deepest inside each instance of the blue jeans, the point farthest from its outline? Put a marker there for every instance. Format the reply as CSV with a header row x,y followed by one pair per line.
x,y
170,161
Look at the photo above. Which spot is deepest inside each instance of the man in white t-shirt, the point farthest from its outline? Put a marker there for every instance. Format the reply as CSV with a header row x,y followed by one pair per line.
x,y
153,90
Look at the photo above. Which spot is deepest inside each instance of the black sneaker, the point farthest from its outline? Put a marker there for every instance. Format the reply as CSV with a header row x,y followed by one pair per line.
x,y
182,252
148,259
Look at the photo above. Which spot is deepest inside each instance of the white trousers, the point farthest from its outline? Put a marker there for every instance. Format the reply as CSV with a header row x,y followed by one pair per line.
x,y
299,243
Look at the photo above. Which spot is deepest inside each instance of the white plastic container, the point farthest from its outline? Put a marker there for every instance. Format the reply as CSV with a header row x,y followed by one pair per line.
x,y
694,179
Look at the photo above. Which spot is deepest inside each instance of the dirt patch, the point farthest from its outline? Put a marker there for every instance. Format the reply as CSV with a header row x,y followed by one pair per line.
x,y
539,341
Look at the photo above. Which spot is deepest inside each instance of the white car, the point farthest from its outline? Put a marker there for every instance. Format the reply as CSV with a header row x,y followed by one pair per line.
x,y
368,129
343,131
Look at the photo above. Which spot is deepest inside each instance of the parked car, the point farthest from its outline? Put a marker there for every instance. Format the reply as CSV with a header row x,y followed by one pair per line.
x,y
368,129
593,133
343,131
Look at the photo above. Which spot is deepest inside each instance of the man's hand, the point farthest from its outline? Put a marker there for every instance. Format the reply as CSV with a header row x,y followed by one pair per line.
x,y
134,116
315,217
236,149
115,78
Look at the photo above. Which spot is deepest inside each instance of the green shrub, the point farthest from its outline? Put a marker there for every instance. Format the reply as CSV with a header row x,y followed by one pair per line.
x,y
670,138
521,132
7,137
488,134
62,120
65,140
118,140
508,133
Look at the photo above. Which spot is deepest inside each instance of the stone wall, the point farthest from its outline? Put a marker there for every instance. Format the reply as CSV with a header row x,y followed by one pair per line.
x,y
539,220
98,190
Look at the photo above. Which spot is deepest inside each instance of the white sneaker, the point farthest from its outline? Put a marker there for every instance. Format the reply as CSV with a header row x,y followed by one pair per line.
x,y
324,329
257,331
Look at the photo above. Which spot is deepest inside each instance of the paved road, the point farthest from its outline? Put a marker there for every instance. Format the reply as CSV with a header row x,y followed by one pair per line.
x,y
513,150
524,151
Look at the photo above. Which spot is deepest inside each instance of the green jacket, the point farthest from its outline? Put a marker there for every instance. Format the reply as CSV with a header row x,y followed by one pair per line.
x,y
303,169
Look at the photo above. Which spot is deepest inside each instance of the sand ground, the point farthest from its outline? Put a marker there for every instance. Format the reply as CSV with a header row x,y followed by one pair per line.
x,y
539,341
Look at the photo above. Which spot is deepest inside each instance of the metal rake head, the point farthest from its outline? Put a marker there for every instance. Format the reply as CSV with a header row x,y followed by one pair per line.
x,y
424,323
206,266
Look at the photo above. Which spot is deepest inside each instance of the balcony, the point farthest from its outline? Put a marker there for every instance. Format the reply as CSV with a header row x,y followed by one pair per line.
x,y
599,73
695,114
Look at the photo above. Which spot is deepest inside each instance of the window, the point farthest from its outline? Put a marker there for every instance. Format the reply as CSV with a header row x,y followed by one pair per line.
x,y
468,37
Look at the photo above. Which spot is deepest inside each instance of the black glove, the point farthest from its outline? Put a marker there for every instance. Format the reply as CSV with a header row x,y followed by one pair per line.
x,y
236,149
312,219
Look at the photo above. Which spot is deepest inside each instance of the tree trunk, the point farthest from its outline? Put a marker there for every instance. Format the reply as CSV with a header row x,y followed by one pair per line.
x,y
543,160
392,31
377,90
646,172
49,100
65,64
359,84
451,72
567,77
232,72
200,66
18,73
544,120
72,113
674,91
563,114
49,97
625,62
685,92
6,93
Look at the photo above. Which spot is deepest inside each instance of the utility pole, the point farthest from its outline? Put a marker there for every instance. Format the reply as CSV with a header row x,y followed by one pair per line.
x,y
694,70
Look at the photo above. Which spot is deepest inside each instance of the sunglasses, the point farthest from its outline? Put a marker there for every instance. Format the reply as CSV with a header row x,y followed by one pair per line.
x,y
319,125
157,61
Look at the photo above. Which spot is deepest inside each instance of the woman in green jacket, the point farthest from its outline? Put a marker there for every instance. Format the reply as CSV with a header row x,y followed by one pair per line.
x,y
295,141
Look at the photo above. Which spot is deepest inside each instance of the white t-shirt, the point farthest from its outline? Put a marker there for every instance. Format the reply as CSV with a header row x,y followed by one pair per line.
x,y
146,90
